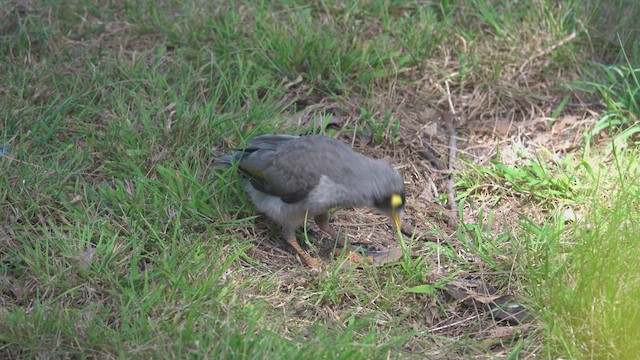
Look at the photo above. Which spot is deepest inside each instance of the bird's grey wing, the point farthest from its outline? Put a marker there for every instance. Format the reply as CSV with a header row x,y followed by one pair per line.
x,y
287,175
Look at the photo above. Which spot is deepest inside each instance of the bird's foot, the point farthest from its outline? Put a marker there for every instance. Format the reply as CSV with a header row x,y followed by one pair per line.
x,y
310,261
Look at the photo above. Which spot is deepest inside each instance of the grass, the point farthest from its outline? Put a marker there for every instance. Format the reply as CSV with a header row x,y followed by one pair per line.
x,y
584,274
118,241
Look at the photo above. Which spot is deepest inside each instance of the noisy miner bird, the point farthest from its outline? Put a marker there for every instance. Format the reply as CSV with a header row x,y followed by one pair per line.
x,y
292,178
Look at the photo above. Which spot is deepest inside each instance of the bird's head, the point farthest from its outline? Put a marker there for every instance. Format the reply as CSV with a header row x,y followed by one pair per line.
x,y
379,186
392,206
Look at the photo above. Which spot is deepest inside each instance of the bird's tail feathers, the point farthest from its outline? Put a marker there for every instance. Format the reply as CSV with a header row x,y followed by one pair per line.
x,y
225,161
262,142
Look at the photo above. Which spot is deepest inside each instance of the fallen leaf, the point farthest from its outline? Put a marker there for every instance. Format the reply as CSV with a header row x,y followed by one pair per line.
x,y
84,259
371,257
385,256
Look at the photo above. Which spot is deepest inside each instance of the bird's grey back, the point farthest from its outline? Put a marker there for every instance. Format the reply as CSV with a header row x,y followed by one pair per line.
x,y
290,166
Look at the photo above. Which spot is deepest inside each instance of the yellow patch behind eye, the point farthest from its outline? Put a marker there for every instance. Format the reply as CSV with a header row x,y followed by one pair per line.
x,y
396,201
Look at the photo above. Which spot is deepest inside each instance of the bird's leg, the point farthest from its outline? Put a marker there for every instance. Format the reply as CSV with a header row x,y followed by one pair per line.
x,y
322,220
290,237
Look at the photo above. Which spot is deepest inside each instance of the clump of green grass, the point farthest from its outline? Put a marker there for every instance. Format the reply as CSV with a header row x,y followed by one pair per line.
x,y
612,26
542,178
619,88
585,276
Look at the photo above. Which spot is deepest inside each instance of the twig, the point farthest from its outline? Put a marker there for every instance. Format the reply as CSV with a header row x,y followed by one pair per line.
x,y
453,148
444,327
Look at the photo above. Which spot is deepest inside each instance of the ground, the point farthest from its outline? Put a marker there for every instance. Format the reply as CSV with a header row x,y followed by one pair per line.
x,y
118,240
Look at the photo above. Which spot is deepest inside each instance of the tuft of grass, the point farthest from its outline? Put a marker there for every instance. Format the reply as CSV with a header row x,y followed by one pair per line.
x,y
619,89
612,27
480,238
584,275
543,177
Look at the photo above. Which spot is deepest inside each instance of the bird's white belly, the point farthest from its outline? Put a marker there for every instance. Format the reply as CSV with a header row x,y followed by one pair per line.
x,y
283,213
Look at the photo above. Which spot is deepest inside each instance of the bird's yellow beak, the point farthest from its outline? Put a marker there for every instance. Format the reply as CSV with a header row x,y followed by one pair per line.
x,y
396,209
396,219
